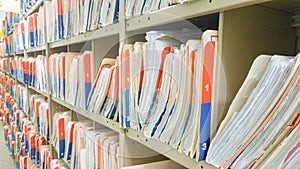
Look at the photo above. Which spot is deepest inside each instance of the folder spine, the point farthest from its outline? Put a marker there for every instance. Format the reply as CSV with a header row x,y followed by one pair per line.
x,y
207,81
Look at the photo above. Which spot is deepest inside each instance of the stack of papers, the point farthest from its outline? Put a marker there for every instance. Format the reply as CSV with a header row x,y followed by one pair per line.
x,y
24,69
45,156
135,8
59,73
286,154
102,149
78,154
264,111
36,28
10,19
39,114
30,70
72,17
22,98
70,77
31,31
8,24
41,73
104,96
166,88
10,45
40,25
23,34
59,131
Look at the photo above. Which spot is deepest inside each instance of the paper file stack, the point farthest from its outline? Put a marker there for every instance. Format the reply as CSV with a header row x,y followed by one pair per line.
x,y
26,34
10,19
22,97
4,65
60,75
72,17
36,28
11,87
264,112
40,24
70,77
9,44
14,66
24,69
135,8
7,30
39,114
83,146
41,73
166,89
94,148
60,132
104,96
46,157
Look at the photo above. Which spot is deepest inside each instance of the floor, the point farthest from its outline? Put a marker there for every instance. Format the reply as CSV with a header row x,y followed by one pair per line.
x,y
6,160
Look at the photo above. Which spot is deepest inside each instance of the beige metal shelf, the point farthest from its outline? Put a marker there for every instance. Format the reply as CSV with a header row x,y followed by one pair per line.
x,y
185,11
166,150
36,49
21,52
93,116
19,81
109,30
38,91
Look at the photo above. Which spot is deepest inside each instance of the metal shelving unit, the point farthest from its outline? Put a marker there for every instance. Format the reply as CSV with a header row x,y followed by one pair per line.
x,y
231,13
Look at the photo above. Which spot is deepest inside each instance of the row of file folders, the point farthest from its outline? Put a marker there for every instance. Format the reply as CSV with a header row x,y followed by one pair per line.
x,y
67,18
144,88
164,88
10,19
28,137
72,17
27,34
28,140
29,70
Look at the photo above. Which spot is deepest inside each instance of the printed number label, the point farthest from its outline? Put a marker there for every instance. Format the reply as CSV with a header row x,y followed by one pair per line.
x,y
204,146
207,87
